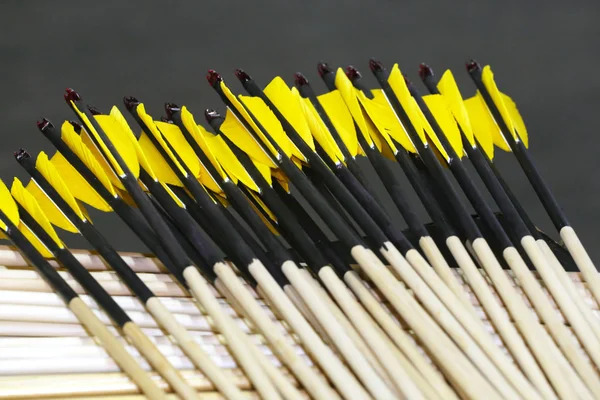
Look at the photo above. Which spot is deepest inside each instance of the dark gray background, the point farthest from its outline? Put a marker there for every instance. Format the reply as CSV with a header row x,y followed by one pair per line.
x,y
544,55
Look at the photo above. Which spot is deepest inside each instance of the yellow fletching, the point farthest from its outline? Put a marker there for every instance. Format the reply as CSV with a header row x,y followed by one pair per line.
x,y
200,135
161,168
173,195
487,76
8,207
249,120
239,135
269,121
104,150
341,118
53,177
171,134
54,214
443,115
229,162
34,240
181,147
264,170
287,102
398,86
77,146
349,94
321,133
95,151
263,206
385,119
29,203
281,178
517,119
484,127
382,140
120,135
80,188
449,90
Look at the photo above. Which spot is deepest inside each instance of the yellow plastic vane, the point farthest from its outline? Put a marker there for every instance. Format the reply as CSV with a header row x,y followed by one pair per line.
x,y
162,170
80,187
409,104
281,178
8,207
45,167
287,102
75,143
321,133
484,127
235,131
228,161
382,114
120,134
341,118
381,140
269,121
517,119
250,121
103,149
451,94
509,112
28,202
199,134
349,93
442,113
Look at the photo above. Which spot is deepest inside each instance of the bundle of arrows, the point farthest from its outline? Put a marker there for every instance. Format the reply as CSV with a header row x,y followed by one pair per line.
x,y
274,268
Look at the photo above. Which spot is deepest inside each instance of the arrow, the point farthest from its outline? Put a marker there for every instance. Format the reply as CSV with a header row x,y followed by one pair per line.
x,y
76,153
33,217
367,260
424,274
196,282
46,178
520,225
300,240
515,136
9,219
283,260
528,282
338,82
482,290
248,262
341,82
478,243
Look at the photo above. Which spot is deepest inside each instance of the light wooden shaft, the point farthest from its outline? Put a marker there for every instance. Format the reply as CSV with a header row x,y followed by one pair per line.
x,y
565,302
555,326
313,383
473,326
159,362
499,318
448,356
202,292
116,350
536,336
284,386
361,320
352,355
592,321
440,265
582,259
445,318
192,349
399,337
